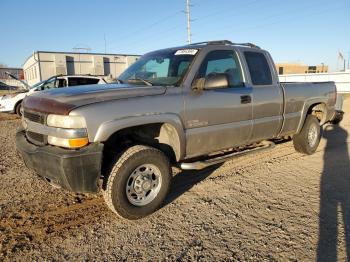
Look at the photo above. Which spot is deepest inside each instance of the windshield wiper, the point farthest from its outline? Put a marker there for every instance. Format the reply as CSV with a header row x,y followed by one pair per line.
x,y
142,80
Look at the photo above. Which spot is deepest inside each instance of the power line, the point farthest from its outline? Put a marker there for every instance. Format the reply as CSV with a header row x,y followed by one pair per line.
x,y
144,30
280,17
226,10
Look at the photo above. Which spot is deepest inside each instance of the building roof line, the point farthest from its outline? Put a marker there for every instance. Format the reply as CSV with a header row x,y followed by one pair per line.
x,y
75,53
12,68
83,53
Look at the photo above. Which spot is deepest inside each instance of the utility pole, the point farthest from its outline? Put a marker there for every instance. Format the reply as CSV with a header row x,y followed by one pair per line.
x,y
188,13
344,65
104,38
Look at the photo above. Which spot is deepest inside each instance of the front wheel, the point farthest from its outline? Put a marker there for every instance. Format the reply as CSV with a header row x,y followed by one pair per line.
x,y
18,108
307,140
138,183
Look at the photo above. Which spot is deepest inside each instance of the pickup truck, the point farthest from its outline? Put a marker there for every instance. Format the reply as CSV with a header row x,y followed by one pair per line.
x,y
191,106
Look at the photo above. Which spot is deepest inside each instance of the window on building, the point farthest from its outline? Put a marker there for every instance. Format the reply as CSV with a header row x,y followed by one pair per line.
x,y
258,68
312,69
280,70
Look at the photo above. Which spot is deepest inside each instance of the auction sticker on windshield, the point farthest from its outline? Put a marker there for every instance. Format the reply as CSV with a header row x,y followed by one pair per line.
x,y
186,52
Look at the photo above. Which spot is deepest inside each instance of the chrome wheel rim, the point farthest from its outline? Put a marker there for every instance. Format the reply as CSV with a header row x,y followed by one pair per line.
x,y
312,135
143,184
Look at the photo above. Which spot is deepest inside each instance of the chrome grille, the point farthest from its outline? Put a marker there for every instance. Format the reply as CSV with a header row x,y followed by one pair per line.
x,y
34,117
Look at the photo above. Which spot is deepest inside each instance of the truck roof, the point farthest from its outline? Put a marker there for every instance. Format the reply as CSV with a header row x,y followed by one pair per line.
x,y
224,42
204,44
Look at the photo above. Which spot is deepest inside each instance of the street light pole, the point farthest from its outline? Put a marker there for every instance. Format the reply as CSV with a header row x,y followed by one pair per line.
x,y
188,21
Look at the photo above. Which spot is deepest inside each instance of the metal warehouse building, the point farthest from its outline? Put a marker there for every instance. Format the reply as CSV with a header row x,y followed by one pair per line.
x,y
44,64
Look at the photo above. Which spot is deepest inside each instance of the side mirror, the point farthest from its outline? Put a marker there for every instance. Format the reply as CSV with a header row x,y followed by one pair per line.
x,y
212,81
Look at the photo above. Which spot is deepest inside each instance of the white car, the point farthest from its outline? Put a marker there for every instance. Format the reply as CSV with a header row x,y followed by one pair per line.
x,y
12,102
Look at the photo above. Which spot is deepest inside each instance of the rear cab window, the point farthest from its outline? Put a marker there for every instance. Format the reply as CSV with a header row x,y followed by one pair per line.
x,y
259,68
222,62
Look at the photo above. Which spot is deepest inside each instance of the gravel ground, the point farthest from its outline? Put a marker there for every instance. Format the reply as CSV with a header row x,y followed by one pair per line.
x,y
276,206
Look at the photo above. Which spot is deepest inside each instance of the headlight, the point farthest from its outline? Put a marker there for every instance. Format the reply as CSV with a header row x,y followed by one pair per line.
x,y
66,121
67,143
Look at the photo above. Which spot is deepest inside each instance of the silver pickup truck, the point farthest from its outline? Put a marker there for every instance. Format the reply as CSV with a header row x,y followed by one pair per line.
x,y
190,106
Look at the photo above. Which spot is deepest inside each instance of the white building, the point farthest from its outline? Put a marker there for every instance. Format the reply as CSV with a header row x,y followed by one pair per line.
x,y
44,64
341,79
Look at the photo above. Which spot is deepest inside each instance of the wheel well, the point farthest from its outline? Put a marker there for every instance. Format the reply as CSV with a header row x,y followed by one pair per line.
x,y
162,136
18,102
320,111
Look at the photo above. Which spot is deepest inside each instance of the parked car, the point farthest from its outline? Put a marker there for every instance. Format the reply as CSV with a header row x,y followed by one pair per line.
x,y
191,106
13,102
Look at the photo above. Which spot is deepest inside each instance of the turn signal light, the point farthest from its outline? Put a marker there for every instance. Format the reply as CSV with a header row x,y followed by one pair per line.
x,y
78,142
68,142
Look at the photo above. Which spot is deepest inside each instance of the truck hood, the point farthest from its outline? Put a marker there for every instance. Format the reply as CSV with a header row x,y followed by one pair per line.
x,y
63,100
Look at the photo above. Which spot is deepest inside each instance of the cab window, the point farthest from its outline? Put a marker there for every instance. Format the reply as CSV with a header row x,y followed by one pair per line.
x,y
61,82
258,68
222,62
77,81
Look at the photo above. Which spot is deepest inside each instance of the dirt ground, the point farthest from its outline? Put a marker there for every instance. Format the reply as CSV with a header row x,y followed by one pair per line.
x,y
277,205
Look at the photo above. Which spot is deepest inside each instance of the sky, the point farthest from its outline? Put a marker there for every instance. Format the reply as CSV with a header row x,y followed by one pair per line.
x,y
310,32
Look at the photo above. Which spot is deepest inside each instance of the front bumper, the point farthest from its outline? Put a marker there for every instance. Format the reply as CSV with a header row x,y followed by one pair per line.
x,y
5,108
5,105
74,170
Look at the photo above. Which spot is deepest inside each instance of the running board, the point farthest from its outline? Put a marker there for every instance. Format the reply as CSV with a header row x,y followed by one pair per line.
x,y
198,165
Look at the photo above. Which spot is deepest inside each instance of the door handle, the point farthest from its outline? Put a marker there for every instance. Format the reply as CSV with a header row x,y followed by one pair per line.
x,y
246,99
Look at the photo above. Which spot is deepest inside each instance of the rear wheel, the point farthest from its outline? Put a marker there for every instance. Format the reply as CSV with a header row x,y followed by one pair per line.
x,y
338,117
138,183
18,109
308,139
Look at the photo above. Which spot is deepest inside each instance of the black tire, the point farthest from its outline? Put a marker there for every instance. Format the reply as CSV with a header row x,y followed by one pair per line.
x,y
302,142
18,108
115,188
338,117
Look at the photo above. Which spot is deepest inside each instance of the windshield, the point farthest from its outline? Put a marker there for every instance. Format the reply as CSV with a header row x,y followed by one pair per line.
x,y
37,84
165,68
46,84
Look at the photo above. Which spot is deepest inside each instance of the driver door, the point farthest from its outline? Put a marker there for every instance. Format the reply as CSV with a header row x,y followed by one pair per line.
x,y
218,119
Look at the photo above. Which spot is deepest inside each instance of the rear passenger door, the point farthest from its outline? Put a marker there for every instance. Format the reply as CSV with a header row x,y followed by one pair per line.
x,y
267,94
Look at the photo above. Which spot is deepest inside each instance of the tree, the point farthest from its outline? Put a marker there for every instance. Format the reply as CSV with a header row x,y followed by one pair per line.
x,y
3,65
